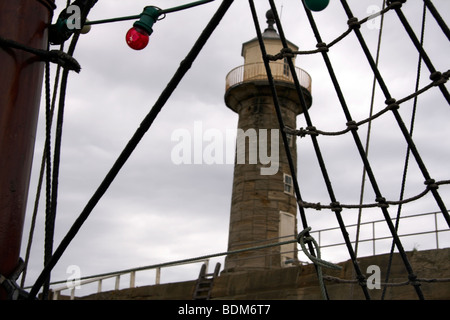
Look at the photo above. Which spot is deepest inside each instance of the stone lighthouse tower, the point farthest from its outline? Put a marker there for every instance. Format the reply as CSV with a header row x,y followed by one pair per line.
x,y
263,207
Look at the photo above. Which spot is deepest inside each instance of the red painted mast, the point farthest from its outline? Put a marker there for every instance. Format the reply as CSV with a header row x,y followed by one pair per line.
x,y
21,75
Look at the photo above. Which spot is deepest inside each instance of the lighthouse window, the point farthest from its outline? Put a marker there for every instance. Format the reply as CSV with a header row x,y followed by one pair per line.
x,y
289,136
289,139
288,186
286,70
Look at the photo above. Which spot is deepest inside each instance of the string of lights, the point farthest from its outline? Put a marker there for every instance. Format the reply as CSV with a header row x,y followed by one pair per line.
x,y
137,37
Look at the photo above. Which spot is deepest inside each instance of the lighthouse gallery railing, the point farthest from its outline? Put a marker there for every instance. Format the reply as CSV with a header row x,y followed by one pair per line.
x,y
257,71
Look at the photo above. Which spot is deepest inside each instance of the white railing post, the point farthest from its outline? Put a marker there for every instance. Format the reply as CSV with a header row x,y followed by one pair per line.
x,y
72,294
132,279
117,286
320,239
373,238
99,288
436,230
206,262
158,276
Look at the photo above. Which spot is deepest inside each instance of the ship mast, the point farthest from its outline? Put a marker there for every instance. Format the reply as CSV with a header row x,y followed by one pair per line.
x,y
25,22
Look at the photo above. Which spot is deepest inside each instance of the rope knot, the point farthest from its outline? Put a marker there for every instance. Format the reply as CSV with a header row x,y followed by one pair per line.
x,y
55,56
413,279
395,4
382,202
301,133
336,206
392,104
284,53
436,76
307,240
446,75
361,280
276,57
431,184
352,125
312,131
322,47
354,23
13,290
287,53
316,206
439,78
317,260
64,60
390,101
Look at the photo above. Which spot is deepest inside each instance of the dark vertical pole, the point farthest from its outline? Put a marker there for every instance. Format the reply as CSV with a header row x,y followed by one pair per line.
x,y
21,74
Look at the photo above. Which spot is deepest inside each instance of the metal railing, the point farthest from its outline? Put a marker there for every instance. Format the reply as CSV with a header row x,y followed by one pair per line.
x,y
319,235
375,227
77,283
372,237
257,71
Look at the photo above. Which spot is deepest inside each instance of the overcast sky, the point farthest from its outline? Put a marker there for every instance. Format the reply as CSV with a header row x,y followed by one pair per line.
x,y
157,211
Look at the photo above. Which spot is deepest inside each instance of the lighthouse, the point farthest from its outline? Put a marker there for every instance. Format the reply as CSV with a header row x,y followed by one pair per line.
x,y
263,204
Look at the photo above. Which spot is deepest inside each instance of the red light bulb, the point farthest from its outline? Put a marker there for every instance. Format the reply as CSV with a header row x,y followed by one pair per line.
x,y
137,38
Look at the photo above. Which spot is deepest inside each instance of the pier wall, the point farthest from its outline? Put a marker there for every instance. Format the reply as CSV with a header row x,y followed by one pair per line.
x,y
301,282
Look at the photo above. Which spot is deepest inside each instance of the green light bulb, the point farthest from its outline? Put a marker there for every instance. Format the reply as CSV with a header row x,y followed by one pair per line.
x,y
316,5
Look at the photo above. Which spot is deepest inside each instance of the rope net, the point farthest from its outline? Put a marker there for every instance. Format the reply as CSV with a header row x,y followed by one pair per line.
x,y
354,26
